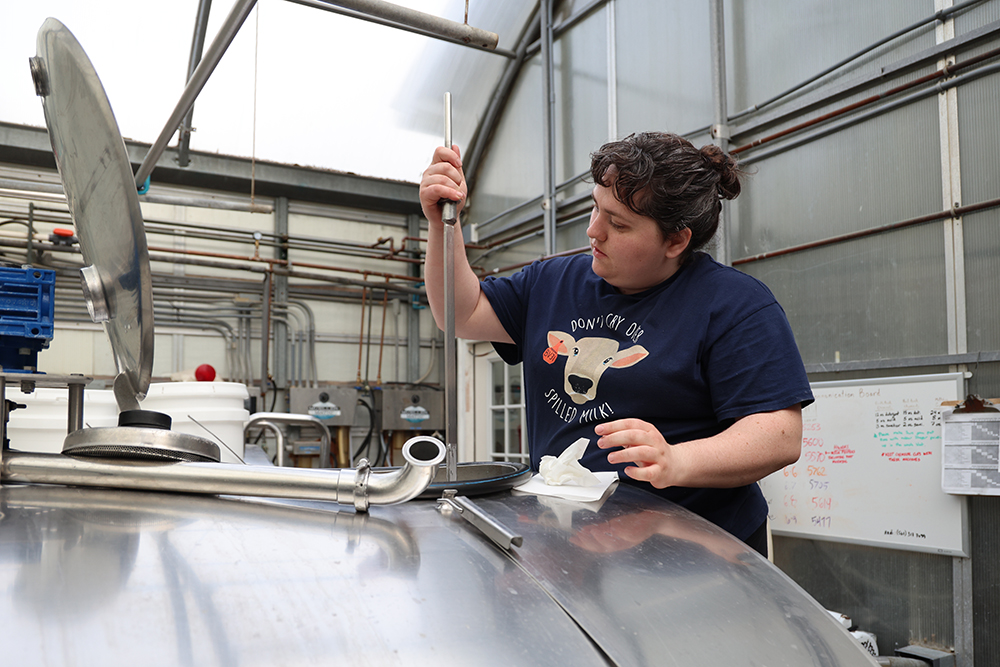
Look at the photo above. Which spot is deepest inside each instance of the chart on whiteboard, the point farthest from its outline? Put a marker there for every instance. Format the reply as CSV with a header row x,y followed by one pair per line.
x,y
870,469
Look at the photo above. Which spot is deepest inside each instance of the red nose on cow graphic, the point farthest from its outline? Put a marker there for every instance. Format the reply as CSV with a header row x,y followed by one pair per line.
x,y
586,361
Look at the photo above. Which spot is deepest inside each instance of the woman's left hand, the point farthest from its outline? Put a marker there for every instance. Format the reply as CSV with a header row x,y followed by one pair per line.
x,y
642,445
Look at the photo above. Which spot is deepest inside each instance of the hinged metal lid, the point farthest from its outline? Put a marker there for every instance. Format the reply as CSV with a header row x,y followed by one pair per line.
x,y
102,198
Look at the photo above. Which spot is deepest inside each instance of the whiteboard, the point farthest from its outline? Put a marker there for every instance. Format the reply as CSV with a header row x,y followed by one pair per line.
x,y
870,469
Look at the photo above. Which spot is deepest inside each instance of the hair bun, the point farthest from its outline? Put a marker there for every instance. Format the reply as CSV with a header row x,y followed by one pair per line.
x,y
725,165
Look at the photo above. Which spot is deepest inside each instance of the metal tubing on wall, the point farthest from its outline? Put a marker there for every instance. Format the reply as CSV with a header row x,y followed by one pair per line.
x,y
280,303
720,126
548,115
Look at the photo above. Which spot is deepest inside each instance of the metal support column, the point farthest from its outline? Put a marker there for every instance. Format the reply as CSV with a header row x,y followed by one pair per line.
x,y
413,313
612,40
720,125
265,336
282,363
197,47
549,123
237,15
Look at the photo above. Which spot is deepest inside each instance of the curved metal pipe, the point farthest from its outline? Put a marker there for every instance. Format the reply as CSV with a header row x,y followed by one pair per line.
x,y
279,437
272,418
359,487
401,484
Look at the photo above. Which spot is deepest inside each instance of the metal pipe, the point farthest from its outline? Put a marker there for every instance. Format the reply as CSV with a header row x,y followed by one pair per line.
x,y
298,420
74,411
427,22
279,437
720,127
265,333
940,87
321,4
197,47
955,212
936,16
548,128
449,217
868,101
359,487
237,15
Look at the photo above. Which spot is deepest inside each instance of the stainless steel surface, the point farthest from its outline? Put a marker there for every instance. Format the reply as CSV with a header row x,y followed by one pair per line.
x,y
237,15
139,443
101,196
309,421
360,487
500,534
95,577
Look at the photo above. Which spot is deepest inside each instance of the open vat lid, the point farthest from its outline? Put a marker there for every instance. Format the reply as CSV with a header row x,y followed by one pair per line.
x,y
103,201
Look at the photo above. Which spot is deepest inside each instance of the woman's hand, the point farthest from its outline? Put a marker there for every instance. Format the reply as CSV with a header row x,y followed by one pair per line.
x,y
443,180
643,445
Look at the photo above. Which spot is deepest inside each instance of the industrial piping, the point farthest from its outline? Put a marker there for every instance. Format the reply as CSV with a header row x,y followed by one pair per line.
x,y
348,486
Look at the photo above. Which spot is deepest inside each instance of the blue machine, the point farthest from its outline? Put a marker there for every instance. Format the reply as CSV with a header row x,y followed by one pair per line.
x,y
27,307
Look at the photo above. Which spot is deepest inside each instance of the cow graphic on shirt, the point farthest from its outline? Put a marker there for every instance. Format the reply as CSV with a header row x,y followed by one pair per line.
x,y
586,361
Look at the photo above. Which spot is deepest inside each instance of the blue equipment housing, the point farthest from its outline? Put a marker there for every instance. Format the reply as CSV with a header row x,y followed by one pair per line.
x,y
27,309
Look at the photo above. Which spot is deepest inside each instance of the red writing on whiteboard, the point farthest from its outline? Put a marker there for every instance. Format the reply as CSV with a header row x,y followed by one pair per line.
x,y
894,457
841,454
812,442
816,471
821,503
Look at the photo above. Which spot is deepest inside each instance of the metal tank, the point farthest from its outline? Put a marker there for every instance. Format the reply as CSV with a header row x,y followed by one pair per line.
x,y
115,577
101,565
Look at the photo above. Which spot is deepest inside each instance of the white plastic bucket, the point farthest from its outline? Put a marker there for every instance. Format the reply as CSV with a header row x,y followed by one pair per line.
x,y
212,410
41,426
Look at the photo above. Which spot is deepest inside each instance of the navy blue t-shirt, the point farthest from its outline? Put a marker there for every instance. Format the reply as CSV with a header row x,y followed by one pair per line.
x,y
705,347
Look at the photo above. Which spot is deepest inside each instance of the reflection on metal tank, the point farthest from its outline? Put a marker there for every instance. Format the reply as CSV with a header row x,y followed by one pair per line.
x,y
109,577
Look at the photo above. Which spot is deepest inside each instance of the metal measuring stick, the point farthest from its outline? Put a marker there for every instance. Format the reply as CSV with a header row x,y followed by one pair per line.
x,y
449,215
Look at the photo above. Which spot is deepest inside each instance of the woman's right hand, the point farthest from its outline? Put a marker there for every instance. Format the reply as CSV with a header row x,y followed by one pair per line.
x,y
443,180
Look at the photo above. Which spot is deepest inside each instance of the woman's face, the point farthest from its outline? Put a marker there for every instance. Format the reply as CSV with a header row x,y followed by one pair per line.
x,y
629,250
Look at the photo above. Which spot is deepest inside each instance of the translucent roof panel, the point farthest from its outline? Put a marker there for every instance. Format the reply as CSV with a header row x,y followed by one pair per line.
x,y
298,85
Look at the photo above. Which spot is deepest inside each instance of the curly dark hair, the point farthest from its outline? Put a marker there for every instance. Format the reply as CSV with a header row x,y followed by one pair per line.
x,y
664,177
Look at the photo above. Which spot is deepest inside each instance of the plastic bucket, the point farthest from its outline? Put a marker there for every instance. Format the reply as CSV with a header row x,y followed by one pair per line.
x,y
41,426
213,410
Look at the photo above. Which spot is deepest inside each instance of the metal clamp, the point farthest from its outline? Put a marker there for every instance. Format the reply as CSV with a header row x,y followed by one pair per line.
x,y
471,512
361,485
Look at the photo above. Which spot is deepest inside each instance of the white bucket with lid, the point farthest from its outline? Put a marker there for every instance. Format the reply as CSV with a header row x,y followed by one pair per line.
x,y
213,410
41,426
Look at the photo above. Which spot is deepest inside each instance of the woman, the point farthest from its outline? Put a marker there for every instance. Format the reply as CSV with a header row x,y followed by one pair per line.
x,y
683,372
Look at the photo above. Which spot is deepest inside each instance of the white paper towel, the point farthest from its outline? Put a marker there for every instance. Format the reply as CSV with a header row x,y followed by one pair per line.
x,y
566,469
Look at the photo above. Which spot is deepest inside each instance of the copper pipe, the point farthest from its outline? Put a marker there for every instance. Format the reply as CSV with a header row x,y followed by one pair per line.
x,y
381,338
955,212
282,262
564,253
944,72
361,336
